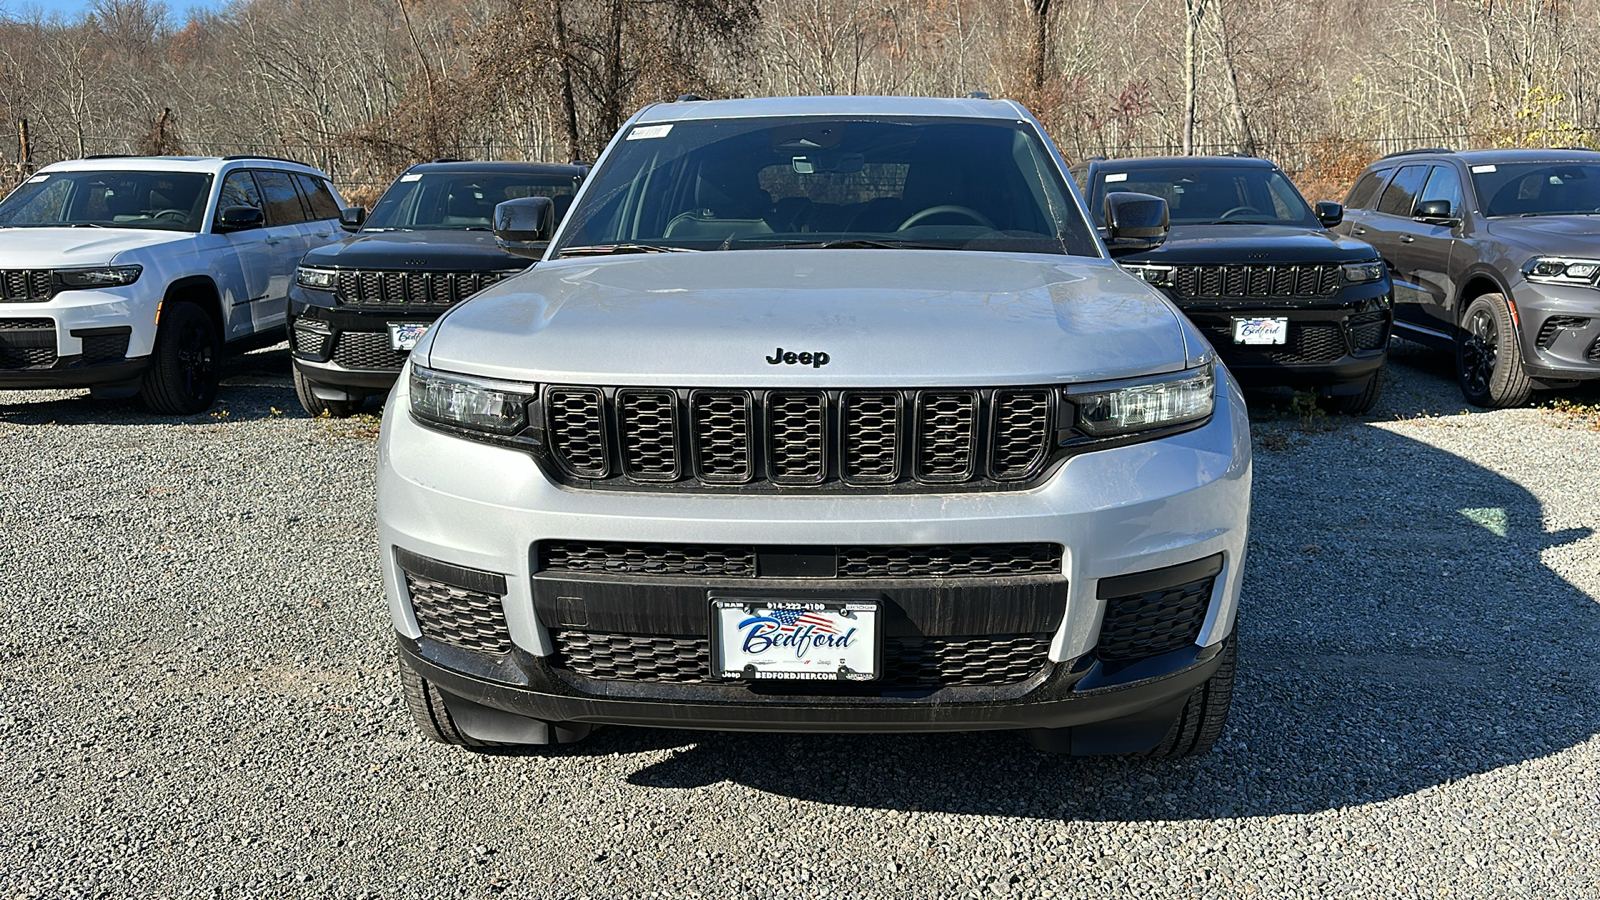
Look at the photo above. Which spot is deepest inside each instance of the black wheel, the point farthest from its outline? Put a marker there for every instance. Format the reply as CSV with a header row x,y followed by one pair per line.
x,y
316,406
1488,357
428,709
186,364
1355,404
1198,728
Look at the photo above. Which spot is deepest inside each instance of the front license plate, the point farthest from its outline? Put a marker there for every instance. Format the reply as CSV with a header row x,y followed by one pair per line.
x,y
1273,330
404,335
800,640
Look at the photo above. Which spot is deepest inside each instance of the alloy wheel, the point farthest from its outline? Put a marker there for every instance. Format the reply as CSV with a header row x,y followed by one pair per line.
x,y
1479,350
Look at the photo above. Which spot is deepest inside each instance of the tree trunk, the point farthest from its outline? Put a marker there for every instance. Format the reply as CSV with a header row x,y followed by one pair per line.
x,y
1040,11
1194,11
569,107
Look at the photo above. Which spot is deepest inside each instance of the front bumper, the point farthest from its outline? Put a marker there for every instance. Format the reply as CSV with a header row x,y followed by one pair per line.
x,y
1115,512
347,348
76,339
1334,347
1559,331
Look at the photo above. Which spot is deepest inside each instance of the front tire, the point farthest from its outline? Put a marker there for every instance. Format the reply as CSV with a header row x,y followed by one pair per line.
x,y
1488,357
431,715
1200,724
186,364
1356,404
317,407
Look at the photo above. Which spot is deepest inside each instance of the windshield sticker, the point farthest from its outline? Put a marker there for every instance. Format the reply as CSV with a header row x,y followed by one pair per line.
x,y
1120,176
37,178
1479,170
414,177
645,132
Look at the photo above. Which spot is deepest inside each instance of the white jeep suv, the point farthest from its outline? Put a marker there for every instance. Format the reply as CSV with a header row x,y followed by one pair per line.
x,y
819,414
126,275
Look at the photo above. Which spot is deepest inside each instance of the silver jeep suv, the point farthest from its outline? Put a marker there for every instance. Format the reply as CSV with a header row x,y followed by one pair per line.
x,y
820,414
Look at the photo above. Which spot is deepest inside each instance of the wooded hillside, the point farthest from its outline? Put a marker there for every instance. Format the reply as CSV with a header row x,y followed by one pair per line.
x,y
364,87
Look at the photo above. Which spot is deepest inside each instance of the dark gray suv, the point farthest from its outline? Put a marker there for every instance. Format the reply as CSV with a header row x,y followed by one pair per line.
x,y
1496,255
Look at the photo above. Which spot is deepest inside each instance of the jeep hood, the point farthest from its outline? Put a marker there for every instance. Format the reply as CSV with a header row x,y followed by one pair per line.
x,y
438,249
1246,243
47,248
883,317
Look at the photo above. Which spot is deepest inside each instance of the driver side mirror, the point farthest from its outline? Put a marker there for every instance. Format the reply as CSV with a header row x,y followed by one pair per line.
x,y
351,217
1134,222
1329,213
1435,212
522,227
240,218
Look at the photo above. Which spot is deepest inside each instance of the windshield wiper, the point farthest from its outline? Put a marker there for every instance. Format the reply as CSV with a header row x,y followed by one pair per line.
x,y
85,225
607,249
860,244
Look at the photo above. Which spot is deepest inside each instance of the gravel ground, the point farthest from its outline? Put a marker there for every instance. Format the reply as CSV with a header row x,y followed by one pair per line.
x,y
197,695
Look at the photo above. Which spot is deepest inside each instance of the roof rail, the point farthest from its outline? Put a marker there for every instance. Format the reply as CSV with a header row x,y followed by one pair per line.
x,y
439,159
977,95
286,159
685,98
1239,153
108,156
1584,149
1416,150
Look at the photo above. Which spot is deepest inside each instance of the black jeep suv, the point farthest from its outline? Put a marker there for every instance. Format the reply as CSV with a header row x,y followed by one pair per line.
x,y
1496,255
358,306
1283,300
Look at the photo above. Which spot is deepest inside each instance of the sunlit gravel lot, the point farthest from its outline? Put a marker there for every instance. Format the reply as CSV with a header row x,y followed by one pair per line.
x,y
198,697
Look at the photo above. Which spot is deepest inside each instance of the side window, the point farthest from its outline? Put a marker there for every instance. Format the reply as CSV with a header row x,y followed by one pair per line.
x,y
1400,197
238,189
319,195
282,202
1366,189
1443,184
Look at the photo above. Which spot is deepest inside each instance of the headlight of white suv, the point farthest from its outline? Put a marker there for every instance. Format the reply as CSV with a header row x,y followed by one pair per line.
x,y
98,276
316,279
1145,404
474,404
1561,270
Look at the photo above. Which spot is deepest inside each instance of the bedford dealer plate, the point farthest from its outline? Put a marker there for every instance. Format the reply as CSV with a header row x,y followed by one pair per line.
x,y
1265,330
800,640
404,335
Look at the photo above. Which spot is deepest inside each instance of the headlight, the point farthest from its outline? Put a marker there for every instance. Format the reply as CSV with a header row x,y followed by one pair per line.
x,y
1145,404
100,276
1363,272
473,403
316,279
1560,270
1160,276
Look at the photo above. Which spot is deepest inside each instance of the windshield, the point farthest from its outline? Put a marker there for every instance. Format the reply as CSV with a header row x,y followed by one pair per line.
x,y
1205,195
916,182
168,201
461,200
1538,189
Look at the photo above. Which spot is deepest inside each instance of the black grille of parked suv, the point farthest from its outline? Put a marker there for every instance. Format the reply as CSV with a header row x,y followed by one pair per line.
x,y
801,437
1199,282
733,561
454,605
387,289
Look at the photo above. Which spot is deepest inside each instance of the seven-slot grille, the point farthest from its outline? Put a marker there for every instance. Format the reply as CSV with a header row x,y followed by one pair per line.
x,y
26,285
388,289
800,437
908,662
1223,282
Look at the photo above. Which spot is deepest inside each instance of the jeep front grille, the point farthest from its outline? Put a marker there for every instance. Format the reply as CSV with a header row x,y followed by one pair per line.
x,y
743,561
383,289
1192,282
908,662
26,285
27,343
794,438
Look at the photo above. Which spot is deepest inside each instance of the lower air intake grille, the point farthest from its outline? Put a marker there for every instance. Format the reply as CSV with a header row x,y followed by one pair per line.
x,y
367,350
1154,622
1307,343
27,343
1370,331
469,616
926,662
105,347
889,562
1552,327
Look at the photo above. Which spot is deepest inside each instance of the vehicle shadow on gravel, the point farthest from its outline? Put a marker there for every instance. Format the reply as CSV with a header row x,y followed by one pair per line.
x,y
255,385
1399,631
